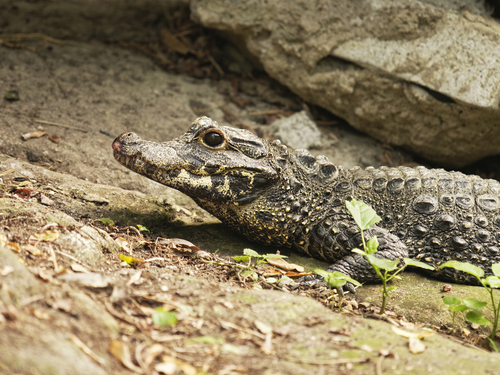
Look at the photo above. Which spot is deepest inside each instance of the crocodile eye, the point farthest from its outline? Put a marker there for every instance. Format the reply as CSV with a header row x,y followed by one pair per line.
x,y
213,139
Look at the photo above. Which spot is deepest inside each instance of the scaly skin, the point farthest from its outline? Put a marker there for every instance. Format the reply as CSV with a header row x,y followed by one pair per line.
x,y
276,196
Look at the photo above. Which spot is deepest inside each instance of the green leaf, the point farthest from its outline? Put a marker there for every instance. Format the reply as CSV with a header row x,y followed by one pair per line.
x,y
474,304
492,281
360,252
496,269
162,318
464,267
416,263
457,308
251,253
477,317
335,279
385,264
106,221
372,245
241,258
364,216
142,228
452,300
392,288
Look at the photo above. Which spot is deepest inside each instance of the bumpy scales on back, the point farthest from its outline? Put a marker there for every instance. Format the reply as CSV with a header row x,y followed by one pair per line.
x,y
277,196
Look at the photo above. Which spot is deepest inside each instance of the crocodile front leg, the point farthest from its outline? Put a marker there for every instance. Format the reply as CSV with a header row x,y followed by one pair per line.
x,y
339,246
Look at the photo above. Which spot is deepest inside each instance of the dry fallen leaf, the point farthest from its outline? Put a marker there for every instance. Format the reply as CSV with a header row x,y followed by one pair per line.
x,y
47,236
23,193
171,365
33,250
123,244
34,134
46,275
408,334
283,264
79,268
40,314
63,305
179,244
416,346
174,43
14,247
152,352
121,352
55,138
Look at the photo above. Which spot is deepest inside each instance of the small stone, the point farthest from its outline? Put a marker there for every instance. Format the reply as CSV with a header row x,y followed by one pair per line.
x,y
46,200
446,288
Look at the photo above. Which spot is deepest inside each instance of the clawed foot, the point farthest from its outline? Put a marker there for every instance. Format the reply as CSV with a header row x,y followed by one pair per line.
x,y
315,281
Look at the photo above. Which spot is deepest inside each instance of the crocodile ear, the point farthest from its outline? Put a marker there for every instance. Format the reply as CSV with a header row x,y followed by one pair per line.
x,y
327,169
320,166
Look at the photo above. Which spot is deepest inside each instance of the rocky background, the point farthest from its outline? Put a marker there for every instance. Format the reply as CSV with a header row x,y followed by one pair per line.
x,y
418,76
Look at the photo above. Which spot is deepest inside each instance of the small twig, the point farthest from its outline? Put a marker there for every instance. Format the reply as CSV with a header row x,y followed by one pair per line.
x,y
86,349
216,66
61,125
18,37
61,87
234,326
70,257
339,361
271,112
54,259
7,172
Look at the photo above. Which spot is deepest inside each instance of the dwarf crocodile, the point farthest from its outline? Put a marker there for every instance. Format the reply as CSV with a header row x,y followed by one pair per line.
x,y
278,196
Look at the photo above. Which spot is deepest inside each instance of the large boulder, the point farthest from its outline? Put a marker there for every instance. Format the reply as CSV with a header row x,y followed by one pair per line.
x,y
420,75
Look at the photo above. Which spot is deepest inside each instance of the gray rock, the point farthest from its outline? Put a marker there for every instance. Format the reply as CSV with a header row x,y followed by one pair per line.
x,y
417,74
298,131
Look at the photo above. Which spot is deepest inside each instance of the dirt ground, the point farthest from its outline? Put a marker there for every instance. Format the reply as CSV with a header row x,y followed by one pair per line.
x,y
74,75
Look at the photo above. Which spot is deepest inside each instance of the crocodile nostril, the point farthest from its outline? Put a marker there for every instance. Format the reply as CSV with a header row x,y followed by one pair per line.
x,y
117,145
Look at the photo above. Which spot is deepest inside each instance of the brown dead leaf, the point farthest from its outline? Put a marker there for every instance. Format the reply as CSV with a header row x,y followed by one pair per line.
x,y
47,236
65,305
55,138
179,244
174,43
283,264
171,365
34,134
79,268
152,352
123,244
46,275
121,352
14,247
39,314
33,250
23,193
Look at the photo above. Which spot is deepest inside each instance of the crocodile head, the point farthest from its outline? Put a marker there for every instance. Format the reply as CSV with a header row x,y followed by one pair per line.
x,y
210,163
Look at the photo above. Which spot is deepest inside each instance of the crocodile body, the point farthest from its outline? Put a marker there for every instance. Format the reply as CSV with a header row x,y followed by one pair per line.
x,y
277,196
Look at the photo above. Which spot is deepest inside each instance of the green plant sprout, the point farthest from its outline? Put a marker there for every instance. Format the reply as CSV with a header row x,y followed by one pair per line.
x,y
365,217
249,254
336,280
490,283
455,305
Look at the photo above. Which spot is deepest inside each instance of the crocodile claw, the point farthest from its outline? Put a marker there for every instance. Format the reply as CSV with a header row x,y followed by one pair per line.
x,y
315,281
